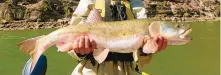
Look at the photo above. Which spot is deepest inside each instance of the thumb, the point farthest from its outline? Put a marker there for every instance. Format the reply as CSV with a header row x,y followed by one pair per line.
x,y
146,38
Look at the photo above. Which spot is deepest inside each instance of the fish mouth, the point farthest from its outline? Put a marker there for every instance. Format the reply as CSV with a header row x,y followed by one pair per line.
x,y
182,39
185,36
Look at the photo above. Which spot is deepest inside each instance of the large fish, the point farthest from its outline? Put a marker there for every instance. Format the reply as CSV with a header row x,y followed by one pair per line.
x,y
119,36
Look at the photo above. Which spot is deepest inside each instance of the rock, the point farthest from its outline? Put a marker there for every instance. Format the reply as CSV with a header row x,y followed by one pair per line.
x,y
1,25
59,20
41,26
34,11
18,12
23,3
174,19
182,8
4,22
5,12
21,28
51,20
31,10
11,12
64,20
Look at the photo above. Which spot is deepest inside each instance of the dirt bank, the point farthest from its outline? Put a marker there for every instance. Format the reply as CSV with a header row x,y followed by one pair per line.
x,y
31,25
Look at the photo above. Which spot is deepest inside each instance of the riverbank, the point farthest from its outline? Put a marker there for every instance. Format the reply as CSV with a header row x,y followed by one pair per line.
x,y
43,14
31,25
22,25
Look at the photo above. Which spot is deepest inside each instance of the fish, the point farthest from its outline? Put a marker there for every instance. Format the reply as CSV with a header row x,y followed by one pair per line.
x,y
118,36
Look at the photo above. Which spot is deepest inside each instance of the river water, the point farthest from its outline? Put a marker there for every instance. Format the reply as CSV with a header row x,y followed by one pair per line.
x,y
199,57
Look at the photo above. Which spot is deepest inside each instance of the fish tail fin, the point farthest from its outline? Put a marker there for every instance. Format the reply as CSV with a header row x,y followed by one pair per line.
x,y
28,46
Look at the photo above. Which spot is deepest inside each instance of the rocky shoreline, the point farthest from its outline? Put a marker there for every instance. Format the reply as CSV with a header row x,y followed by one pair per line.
x,y
31,25
43,14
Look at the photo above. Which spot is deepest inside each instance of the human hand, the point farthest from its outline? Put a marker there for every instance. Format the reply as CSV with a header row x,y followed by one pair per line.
x,y
84,45
153,45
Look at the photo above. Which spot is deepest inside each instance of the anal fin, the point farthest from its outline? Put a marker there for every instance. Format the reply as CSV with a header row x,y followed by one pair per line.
x,y
64,47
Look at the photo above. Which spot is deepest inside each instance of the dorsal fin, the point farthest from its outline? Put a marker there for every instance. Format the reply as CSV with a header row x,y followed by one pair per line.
x,y
94,16
154,28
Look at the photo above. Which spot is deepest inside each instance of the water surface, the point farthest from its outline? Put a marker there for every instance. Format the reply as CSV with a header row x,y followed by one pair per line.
x,y
199,57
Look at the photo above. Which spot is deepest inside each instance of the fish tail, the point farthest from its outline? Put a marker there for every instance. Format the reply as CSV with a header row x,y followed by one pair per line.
x,y
28,46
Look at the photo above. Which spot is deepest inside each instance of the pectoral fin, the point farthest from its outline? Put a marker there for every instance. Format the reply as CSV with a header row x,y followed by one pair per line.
x,y
100,55
73,54
150,47
64,47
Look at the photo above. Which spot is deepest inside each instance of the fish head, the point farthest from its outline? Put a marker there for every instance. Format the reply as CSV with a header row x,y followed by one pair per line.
x,y
176,33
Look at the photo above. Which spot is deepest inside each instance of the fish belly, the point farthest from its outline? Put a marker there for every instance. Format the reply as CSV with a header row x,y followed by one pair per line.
x,y
119,45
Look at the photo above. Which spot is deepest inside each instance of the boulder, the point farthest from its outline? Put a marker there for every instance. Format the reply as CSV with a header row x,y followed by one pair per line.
x,y
5,12
10,12
34,11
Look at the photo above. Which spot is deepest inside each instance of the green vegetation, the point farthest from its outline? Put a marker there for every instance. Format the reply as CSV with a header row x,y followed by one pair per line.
x,y
217,10
45,7
8,18
8,1
38,20
67,11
